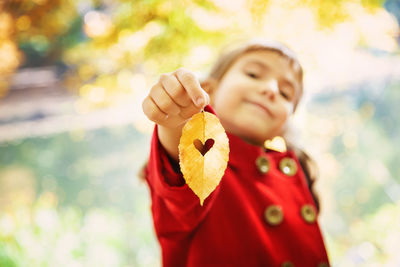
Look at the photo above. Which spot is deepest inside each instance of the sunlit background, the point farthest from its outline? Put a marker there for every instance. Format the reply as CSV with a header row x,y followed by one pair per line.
x,y
73,136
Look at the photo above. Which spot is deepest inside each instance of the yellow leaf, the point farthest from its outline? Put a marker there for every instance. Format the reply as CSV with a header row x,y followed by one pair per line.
x,y
203,169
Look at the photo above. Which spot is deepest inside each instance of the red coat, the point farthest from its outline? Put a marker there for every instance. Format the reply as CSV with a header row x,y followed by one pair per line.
x,y
253,218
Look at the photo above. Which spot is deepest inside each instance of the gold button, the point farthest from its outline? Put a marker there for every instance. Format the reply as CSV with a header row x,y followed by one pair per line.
x,y
287,264
308,213
262,164
273,215
288,166
323,264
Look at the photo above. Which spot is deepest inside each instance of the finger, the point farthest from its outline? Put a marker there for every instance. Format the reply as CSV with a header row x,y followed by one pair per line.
x,y
175,90
163,100
152,111
192,87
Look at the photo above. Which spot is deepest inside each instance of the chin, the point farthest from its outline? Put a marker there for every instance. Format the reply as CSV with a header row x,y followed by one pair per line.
x,y
250,128
253,135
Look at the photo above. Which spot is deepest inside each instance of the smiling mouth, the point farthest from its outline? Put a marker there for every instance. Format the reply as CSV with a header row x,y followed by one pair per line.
x,y
265,109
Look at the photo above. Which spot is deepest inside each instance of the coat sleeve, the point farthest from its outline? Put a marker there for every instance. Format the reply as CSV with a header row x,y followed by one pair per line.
x,y
174,205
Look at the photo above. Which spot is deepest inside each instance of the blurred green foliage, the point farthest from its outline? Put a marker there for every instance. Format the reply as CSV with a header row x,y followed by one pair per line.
x,y
110,36
89,207
367,188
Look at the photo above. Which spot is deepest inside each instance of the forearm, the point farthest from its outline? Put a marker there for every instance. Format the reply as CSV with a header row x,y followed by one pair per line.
x,y
169,139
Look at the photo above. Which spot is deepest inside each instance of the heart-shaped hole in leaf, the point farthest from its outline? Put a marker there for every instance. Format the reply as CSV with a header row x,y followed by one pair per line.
x,y
203,149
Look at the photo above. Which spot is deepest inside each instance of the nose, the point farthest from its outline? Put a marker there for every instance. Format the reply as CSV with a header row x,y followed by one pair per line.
x,y
270,89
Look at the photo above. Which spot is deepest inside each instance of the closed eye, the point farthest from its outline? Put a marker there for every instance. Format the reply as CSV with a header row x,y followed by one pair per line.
x,y
252,75
287,90
284,95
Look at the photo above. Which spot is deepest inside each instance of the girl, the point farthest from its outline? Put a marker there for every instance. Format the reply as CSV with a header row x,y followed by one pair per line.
x,y
263,213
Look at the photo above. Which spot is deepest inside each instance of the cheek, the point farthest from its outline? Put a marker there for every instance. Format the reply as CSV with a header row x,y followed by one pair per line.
x,y
226,98
289,108
285,111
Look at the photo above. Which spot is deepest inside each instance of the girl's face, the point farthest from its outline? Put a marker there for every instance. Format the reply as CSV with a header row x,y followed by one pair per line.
x,y
256,96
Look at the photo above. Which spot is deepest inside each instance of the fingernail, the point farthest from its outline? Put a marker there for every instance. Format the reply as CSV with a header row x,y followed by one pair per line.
x,y
200,102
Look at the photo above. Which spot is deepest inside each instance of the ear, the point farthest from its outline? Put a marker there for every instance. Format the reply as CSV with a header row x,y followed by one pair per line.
x,y
210,86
